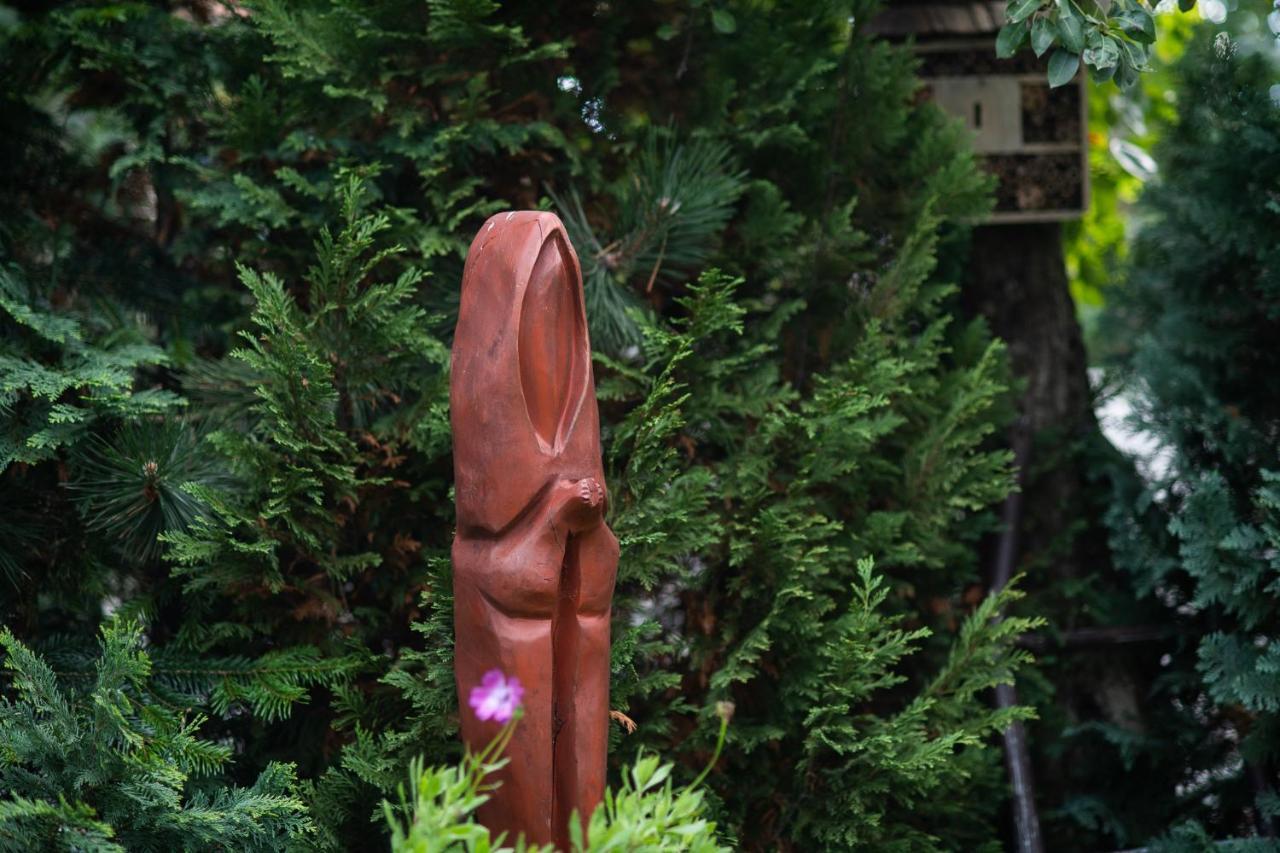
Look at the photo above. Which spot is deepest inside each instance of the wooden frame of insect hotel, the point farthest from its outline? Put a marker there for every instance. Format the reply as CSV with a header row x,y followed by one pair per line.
x,y
1031,137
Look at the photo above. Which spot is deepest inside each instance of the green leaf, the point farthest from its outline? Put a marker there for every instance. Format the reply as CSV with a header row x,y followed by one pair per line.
x,y
1063,66
1043,34
1138,24
1010,39
1101,74
723,21
1186,5
1070,26
1126,73
1106,54
1020,10
1135,54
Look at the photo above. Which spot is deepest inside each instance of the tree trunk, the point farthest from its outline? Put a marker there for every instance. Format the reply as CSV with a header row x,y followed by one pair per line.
x,y
1017,281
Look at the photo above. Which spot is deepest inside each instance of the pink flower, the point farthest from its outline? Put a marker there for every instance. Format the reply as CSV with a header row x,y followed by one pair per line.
x,y
497,697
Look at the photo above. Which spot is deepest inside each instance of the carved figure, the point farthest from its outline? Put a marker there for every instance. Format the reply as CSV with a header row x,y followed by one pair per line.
x,y
534,563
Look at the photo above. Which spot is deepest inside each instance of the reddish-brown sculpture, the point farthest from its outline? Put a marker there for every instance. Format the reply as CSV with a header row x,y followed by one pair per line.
x,y
534,563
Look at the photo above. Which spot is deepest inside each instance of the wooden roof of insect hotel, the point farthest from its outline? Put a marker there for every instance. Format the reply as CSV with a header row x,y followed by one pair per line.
x,y
939,18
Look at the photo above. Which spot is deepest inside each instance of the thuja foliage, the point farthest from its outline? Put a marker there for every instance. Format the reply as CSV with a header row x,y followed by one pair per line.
x,y
46,355
1201,306
232,238
794,589
104,763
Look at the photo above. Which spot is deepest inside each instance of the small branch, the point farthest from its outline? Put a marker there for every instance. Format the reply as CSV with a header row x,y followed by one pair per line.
x,y
688,47
1087,638
1017,756
1222,843
657,264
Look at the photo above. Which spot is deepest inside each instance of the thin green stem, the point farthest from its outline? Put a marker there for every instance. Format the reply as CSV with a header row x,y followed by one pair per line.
x,y
724,728
481,762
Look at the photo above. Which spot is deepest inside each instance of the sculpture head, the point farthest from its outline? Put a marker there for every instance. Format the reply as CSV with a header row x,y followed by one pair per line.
x,y
522,396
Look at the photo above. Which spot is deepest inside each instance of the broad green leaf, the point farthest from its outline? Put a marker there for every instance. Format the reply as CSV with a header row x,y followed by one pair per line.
x,y
1126,73
1070,26
1020,10
1043,34
1101,74
1138,24
1010,39
1136,54
1105,55
1063,65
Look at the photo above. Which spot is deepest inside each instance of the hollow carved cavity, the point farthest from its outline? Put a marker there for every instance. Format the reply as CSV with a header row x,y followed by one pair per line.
x,y
552,344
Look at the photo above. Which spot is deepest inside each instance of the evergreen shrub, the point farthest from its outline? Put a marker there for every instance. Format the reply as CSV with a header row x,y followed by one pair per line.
x,y
231,237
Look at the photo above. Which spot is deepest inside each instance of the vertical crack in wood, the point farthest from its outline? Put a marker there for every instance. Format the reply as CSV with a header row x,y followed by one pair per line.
x,y
564,669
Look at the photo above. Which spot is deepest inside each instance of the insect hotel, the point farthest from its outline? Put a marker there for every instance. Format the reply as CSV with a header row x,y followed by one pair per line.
x,y
1030,137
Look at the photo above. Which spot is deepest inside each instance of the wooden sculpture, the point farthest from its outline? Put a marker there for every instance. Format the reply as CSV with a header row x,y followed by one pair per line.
x,y
534,563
